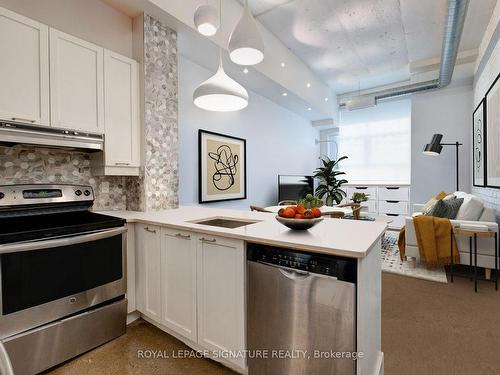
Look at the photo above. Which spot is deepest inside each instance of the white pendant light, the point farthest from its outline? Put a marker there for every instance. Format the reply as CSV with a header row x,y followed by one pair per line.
x,y
220,93
245,44
206,20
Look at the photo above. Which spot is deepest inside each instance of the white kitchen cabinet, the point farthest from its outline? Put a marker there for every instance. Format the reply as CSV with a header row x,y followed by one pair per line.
x,y
148,247
76,83
221,295
121,118
24,69
178,282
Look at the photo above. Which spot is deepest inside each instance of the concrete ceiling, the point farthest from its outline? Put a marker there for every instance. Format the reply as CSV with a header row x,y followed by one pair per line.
x,y
358,44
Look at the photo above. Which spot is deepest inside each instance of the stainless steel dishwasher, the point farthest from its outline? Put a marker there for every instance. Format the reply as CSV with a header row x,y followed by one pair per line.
x,y
301,312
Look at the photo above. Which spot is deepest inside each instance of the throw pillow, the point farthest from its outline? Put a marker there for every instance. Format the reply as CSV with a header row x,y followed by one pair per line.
x,y
471,209
447,209
428,206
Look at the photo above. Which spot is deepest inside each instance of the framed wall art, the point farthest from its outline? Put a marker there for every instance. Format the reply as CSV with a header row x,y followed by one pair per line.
x,y
492,104
221,167
478,145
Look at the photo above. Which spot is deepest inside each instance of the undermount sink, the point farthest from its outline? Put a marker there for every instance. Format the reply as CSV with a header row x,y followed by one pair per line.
x,y
224,222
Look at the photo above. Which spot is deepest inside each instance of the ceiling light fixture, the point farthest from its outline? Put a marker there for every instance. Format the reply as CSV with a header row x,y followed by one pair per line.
x,y
282,64
206,20
308,85
285,94
245,44
326,99
245,70
220,93
309,109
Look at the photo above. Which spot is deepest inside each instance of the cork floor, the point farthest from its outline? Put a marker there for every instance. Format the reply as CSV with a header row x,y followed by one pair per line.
x,y
428,328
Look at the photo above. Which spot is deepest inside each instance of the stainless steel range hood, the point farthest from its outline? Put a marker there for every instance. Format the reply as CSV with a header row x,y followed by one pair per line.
x,y
16,133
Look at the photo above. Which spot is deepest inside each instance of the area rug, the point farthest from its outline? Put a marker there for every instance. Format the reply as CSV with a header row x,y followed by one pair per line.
x,y
391,262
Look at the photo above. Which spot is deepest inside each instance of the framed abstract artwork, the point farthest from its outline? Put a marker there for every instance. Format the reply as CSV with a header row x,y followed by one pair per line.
x,y
492,109
478,145
221,167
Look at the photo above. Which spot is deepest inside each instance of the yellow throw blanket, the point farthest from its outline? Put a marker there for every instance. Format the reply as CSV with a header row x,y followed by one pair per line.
x,y
434,241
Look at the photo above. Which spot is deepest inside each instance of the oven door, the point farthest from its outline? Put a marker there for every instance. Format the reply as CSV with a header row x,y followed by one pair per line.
x,y
45,280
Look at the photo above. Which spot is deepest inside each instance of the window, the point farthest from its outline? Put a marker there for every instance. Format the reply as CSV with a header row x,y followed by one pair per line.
x,y
377,141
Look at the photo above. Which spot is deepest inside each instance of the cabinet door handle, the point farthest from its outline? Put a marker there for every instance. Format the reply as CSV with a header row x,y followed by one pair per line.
x,y
183,236
392,214
361,187
203,239
149,230
392,188
22,119
122,163
392,201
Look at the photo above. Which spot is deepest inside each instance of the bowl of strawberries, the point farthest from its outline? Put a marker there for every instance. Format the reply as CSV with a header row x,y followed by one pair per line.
x,y
298,217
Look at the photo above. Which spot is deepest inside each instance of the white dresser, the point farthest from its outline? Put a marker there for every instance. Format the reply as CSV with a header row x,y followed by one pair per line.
x,y
391,200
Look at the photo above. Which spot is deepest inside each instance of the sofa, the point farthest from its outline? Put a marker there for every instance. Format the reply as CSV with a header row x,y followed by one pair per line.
x,y
471,211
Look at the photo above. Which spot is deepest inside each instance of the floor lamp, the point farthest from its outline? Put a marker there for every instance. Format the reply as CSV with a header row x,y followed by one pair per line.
x,y
435,147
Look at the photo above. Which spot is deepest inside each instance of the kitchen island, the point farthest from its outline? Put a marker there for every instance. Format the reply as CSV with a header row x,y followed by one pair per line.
x,y
190,279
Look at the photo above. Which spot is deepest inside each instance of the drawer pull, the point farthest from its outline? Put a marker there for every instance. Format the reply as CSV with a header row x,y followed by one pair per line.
x,y
122,163
392,214
203,239
392,201
149,230
183,236
392,188
22,119
361,187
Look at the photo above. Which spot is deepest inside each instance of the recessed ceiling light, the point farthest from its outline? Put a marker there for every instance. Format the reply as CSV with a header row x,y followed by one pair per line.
x,y
282,64
308,85
326,99
285,94
309,109
245,70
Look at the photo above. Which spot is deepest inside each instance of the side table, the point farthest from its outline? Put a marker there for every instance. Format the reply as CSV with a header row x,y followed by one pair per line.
x,y
473,235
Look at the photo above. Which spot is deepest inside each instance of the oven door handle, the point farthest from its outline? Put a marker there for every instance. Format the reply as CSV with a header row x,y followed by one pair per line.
x,y
58,242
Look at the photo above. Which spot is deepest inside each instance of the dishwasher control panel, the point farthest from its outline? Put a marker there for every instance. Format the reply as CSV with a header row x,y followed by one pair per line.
x,y
340,267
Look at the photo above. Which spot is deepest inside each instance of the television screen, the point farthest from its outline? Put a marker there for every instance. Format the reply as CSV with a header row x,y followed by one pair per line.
x,y
294,187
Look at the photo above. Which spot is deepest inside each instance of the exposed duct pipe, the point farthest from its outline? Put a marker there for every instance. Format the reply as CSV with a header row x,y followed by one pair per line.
x,y
457,10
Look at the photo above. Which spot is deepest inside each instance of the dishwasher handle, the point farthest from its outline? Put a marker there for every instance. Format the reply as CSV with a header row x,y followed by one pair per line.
x,y
294,274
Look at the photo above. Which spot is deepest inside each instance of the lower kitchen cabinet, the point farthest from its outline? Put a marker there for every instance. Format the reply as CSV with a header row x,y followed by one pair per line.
x,y
148,247
221,295
178,282
193,285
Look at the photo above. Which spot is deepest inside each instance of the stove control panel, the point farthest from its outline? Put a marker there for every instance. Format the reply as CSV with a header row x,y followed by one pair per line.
x,y
23,195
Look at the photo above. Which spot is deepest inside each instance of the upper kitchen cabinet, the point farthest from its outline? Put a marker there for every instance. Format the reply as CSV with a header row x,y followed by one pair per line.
x,y
121,118
24,69
76,83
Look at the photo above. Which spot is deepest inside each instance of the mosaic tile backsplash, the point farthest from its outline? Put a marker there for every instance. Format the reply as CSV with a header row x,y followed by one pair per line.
x,y
22,164
161,177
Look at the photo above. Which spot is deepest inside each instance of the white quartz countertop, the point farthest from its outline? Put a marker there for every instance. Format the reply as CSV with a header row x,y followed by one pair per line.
x,y
341,237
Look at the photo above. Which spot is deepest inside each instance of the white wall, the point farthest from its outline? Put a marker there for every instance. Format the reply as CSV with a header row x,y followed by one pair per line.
x,y
448,112
278,141
91,20
488,67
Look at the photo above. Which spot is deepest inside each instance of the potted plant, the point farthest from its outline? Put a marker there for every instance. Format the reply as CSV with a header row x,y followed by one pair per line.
x,y
358,198
329,185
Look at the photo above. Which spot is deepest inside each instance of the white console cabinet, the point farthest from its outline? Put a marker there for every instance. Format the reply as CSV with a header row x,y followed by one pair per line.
x,y
392,201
